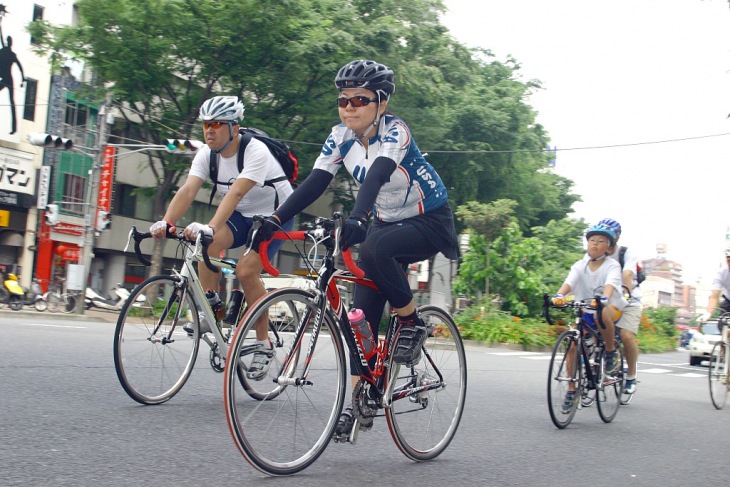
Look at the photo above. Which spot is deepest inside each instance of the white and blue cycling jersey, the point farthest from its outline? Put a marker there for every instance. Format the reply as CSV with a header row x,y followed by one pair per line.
x,y
414,187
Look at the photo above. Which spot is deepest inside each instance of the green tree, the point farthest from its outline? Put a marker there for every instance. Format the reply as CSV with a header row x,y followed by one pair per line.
x,y
160,59
522,268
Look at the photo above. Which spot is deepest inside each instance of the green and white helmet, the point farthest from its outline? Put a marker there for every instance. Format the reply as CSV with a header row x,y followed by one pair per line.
x,y
224,108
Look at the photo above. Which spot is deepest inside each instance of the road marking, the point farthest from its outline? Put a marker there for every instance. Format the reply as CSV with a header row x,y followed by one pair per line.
x,y
689,374
515,353
56,326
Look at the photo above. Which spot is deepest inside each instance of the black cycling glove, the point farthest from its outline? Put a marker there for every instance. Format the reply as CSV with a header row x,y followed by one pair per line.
x,y
354,231
265,233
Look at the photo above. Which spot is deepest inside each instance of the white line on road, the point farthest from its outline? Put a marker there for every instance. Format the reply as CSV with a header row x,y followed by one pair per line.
x,y
56,326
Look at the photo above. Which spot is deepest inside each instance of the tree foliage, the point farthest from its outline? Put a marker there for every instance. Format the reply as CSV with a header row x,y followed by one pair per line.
x,y
521,268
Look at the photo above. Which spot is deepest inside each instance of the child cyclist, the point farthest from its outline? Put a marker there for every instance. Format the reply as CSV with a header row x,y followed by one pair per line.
x,y
586,277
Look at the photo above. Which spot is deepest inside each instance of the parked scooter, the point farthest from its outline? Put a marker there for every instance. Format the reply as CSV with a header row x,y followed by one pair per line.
x,y
34,296
96,299
14,291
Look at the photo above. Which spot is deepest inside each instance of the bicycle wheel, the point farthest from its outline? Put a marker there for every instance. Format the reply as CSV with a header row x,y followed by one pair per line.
x,y
53,300
68,303
283,318
565,369
609,392
427,400
153,355
718,375
290,429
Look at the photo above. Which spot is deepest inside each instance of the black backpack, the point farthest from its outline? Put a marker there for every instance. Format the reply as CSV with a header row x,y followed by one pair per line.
x,y
281,152
640,274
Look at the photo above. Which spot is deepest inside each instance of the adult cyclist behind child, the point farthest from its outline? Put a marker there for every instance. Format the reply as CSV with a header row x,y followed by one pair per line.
x,y
412,220
244,195
585,277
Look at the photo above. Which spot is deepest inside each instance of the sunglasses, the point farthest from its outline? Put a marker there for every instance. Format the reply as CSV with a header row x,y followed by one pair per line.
x,y
214,125
355,101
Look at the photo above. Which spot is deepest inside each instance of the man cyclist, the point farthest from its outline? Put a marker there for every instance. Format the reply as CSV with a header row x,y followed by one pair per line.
x,y
631,317
585,278
244,195
720,286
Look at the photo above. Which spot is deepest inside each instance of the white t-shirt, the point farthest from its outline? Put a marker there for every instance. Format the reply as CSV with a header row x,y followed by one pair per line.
x,y
722,281
585,283
631,262
258,166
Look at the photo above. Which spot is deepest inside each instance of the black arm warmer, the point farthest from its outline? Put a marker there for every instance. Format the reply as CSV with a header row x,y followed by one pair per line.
x,y
306,194
378,174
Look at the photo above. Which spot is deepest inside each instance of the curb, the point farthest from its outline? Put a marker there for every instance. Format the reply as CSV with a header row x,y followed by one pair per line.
x,y
92,316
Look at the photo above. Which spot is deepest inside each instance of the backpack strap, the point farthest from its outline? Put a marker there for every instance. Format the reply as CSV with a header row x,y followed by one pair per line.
x,y
245,139
621,254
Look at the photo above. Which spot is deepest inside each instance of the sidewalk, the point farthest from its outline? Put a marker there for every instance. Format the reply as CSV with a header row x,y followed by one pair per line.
x,y
30,313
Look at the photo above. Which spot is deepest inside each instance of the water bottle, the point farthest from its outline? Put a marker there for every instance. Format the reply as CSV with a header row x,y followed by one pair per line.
x,y
363,332
234,307
215,304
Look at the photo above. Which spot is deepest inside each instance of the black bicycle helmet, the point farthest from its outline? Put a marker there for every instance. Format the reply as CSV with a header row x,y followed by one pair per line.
x,y
365,73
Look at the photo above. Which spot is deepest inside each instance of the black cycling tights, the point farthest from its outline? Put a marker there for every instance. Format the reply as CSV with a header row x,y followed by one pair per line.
x,y
383,255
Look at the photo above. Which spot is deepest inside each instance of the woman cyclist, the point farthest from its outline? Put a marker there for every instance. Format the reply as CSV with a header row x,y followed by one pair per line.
x,y
411,217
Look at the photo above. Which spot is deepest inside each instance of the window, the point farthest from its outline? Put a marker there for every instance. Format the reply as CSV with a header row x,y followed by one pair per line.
x,y
30,97
73,194
37,15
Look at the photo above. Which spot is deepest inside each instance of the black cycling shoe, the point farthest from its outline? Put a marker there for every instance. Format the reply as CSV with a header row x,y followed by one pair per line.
x,y
344,425
411,337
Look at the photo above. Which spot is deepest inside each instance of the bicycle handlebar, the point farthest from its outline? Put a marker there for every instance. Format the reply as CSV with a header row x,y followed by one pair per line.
x,y
302,235
138,237
547,303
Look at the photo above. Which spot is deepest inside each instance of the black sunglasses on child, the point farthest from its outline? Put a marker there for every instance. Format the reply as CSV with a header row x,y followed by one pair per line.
x,y
355,101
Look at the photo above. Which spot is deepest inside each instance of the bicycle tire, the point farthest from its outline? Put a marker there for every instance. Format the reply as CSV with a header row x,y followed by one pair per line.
x,y
423,424
718,375
54,301
608,395
283,318
565,353
288,431
150,368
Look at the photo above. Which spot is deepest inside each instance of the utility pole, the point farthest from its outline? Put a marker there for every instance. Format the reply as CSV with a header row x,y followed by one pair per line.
x,y
92,188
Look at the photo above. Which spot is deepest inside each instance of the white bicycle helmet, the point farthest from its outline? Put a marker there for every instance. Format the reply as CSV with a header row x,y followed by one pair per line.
x,y
223,108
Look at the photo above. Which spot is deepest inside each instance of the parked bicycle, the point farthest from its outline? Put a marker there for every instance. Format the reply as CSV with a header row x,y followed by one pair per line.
x,y
57,300
153,354
289,430
719,374
577,375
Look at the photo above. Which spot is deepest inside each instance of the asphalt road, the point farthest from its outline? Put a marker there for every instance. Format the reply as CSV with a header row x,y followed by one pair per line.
x,y
67,422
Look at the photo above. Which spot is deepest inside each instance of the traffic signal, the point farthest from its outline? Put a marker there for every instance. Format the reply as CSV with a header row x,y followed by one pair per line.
x,y
51,214
103,220
182,146
50,141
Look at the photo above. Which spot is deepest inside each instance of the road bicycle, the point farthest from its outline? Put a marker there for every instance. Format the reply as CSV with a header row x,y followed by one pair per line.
x,y
422,403
577,364
153,354
719,360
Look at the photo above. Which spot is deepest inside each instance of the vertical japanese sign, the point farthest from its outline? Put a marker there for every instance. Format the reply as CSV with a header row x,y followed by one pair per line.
x,y
106,179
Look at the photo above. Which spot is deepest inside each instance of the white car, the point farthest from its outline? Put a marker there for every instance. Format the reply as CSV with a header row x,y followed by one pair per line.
x,y
701,343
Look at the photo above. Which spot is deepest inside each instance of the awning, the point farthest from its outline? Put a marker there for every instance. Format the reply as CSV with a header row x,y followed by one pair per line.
x,y
11,239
